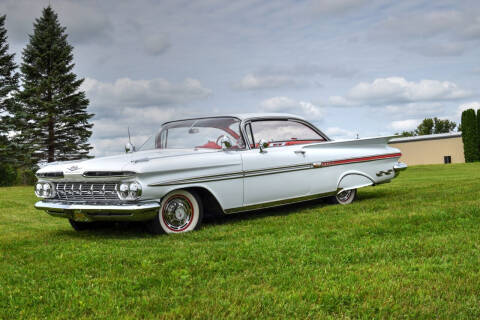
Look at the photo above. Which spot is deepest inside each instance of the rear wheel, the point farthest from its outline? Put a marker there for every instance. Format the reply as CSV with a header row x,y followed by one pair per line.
x,y
180,211
80,226
345,197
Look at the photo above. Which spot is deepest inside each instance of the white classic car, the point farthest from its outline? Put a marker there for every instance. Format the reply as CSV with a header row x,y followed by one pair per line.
x,y
215,165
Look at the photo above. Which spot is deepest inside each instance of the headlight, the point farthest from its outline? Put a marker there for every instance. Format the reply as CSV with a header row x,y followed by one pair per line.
x,y
45,190
130,191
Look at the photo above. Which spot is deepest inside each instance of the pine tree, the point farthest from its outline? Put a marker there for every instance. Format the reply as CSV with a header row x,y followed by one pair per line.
x,y
53,119
478,131
8,88
470,136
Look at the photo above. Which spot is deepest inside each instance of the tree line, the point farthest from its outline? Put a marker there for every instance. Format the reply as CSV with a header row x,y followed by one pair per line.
x,y
43,112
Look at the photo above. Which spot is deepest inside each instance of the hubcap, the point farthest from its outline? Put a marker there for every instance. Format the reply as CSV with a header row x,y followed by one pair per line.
x,y
177,213
344,196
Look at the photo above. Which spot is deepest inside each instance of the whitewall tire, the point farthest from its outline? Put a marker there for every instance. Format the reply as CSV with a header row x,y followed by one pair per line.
x,y
345,197
180,211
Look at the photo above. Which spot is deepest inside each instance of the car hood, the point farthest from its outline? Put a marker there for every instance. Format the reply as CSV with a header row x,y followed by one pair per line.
x,y
117,162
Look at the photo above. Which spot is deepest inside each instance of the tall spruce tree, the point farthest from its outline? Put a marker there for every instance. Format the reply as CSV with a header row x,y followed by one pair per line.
x,y
470,136
478,131
53,118
8,88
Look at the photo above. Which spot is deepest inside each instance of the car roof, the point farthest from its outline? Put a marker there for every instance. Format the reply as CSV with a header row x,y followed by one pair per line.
x,y
246,116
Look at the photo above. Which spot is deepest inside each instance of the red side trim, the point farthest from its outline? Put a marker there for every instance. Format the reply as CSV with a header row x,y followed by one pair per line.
x,y
362,159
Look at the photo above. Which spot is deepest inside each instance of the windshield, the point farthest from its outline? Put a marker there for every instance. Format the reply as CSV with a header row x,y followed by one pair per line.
x,y
196,133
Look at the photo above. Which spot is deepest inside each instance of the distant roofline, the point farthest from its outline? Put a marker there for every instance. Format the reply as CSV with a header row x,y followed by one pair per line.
x,y
427,137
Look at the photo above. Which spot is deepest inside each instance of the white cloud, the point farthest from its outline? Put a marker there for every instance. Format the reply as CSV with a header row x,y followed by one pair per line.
x,y
140,93
85,22
470,105
287,105
156,44
405,125
257,82
397,90
337,133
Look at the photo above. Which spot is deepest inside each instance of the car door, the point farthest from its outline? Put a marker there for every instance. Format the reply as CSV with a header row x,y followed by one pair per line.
x,y
278,172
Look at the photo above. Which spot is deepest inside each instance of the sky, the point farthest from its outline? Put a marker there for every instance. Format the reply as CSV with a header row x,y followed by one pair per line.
x,y
351,67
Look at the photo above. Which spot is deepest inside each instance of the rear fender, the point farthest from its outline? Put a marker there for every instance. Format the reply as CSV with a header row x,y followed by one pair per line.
x,y
354,180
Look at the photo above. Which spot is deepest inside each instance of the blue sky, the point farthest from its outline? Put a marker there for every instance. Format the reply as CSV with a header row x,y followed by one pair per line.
x,y
349,66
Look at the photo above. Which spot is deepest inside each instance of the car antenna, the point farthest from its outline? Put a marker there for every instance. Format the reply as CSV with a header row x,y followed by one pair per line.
x,y
129,139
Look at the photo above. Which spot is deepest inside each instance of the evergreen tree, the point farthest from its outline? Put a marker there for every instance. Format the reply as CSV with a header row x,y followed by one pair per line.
x,y
470,136
478,130
53,119
8,87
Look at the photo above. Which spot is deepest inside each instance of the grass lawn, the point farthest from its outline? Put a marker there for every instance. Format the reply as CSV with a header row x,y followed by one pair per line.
x,y
407,249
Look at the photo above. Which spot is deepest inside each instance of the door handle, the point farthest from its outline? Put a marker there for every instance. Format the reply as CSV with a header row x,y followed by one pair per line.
x,y
300,152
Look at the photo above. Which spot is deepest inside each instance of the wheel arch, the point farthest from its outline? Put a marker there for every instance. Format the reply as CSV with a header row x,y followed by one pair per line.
x,y
211,205
353,180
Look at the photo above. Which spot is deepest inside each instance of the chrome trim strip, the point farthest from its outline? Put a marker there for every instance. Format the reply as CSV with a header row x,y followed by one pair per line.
x,y
280,202
234,175
260,172
108,174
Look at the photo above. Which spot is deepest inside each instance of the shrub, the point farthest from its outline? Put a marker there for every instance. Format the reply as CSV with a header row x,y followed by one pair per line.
x,y
470,136
8,175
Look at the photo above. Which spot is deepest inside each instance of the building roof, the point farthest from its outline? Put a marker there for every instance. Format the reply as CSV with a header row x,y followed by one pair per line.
x,y
427,137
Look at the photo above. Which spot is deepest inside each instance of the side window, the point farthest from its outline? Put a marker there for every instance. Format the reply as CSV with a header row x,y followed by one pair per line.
x,y
283,132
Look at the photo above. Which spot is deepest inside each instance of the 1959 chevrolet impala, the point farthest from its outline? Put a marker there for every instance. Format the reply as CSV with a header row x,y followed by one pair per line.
x,y
217,164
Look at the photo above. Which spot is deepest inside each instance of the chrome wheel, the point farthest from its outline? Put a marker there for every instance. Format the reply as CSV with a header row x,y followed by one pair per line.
x,y
177,213
345,197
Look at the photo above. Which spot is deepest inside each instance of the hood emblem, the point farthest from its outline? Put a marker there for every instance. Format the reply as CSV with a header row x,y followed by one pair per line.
x,y
73,168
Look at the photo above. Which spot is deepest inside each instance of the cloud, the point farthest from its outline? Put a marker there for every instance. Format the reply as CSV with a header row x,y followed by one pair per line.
x,y
337,133
141,93
475,105
445,32
142,105
259,82
336,7
397,90
85,22
287,105
156,44
405,125
296,76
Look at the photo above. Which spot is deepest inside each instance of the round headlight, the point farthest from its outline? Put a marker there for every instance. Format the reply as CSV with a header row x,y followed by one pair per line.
x,y
39,190
123,191
135,190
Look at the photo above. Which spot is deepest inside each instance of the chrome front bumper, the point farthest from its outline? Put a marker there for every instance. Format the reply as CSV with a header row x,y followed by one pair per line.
x,y
90,212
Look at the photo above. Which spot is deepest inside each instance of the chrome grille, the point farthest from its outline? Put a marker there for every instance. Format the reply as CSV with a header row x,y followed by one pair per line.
x,y
80,191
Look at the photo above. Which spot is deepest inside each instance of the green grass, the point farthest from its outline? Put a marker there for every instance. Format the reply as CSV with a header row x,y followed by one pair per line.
x,y
408,249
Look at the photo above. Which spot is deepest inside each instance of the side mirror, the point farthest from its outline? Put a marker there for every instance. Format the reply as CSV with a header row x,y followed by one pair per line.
x,y
262,144
225,142
129,147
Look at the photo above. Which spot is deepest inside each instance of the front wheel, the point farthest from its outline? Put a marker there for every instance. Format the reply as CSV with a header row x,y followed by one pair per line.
x,y
180,211
345,197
